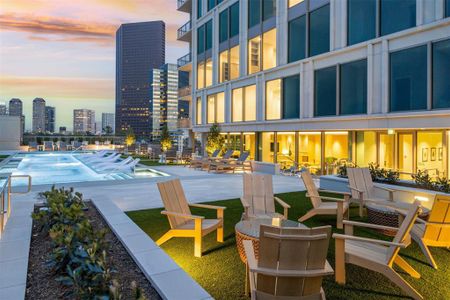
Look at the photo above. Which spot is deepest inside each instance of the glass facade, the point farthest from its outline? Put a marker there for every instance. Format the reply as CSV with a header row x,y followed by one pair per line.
x,y
408,79
199,8
362,15
269,49
224,67
441,74
200,39
215,108
397,15
430,153
208,35
269,9
297,39
291,97
353,88
198,108
223,26
366,148
268,147
294,2
234,62
237,105
250,103
208,72
447,11
310,151
325,92
200,75
243,104
336,150
249,144
234,19
229,64
273,99
286,149
254,55
254,12
229,22
319,31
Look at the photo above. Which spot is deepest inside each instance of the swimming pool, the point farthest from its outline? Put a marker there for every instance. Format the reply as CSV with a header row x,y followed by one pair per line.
x,y
54,167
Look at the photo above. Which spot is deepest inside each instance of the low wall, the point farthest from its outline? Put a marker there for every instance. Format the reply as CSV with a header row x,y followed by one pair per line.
x,y
264,167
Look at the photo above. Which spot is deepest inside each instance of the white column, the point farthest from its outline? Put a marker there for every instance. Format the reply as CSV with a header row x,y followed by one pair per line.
x,y
370,79
385,76
243,16
282,32
308,71
260,97
302,91
215,47
227,96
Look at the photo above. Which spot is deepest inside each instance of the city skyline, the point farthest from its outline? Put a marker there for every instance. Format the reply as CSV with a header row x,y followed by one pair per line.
x,y
73,60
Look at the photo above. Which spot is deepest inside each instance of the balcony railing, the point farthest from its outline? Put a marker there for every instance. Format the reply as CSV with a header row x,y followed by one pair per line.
x,y
184,29
182,61
184,123
184,91
180,3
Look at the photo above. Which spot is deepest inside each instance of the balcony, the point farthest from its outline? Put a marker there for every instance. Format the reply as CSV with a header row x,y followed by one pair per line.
x,y
184,123
184,6
184,93
185,63
184,33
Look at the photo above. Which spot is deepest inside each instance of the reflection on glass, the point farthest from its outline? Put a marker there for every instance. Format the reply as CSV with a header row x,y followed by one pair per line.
x,y
386,151
294,2
250,103
297,39
254,55
362,16
220,107
250,144
237,105
392,20
211,109
336,150
268,146
433,163
199,111
269,49
441,74
366,148
273,99
353,81
309,151
286,150
224,67
319,31
234,62
200,75
208,73
325,92
405,154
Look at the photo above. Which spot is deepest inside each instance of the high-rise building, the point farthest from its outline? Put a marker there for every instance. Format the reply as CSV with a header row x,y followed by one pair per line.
x,y
317,83
83,121
108,120
16,109
3,109
164,97
38,125
50,119
62,130
140,48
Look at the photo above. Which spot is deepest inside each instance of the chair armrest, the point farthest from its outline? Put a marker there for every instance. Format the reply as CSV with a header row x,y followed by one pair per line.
x,y
282,203
250,254
327,198
327,270
355,189
384,188
192,217
367,240
244,203
207,206
369,225
336,192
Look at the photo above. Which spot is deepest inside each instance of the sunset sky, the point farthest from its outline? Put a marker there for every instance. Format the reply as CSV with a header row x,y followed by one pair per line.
x,y
64,51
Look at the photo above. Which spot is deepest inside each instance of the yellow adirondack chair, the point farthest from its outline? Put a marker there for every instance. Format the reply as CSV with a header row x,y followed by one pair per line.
x,y
338,207
292,263
377,255
435,232
182,222
258,199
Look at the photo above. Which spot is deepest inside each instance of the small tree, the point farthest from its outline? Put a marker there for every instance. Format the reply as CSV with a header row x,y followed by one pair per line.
x,y
130,138
214,139
108,130
165,141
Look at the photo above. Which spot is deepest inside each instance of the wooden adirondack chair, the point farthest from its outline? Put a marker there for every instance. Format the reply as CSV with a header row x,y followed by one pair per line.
x,y
363,189
258,199
291,265
338,207
377,255
435,232
182,222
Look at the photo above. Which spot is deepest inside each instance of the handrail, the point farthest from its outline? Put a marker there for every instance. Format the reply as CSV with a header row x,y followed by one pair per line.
x,y
73,151
184,29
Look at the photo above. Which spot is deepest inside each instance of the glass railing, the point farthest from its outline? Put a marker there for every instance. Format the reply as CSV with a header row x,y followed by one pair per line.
x,y
180,3
184,29
184,91
182,61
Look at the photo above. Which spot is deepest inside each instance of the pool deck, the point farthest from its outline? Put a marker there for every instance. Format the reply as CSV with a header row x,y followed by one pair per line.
x,y
113,198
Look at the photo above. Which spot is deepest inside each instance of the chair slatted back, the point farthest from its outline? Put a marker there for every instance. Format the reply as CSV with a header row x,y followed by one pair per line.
x,y
228,154
258,191
360,179
440,213
174,200
403,231
293,249
215,153
243,157
311,189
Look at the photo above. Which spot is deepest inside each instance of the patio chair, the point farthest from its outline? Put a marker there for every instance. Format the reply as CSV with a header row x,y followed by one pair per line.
x,y
363,189
198,162
226,157
32,146
337,206
122,164
230,164
291,265
435,232
48,146
258,199
377,255
182,222
111,158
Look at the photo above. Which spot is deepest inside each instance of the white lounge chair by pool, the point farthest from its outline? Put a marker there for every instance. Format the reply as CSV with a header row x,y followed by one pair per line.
x,y
94,155
127,165
105,159
103,165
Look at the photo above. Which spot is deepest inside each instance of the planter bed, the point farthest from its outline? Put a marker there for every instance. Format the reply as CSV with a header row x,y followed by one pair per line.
x,y
41,280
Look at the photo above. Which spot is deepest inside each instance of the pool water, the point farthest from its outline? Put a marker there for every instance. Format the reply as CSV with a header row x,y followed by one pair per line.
x,y
52,168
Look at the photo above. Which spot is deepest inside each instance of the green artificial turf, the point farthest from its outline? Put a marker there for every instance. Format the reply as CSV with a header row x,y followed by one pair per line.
x,y
2,157
221,272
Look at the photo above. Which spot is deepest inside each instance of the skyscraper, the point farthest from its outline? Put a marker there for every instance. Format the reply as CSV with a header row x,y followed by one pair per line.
x,y
107,121
83,121
140,47
38,115
3,110
50,119
16,109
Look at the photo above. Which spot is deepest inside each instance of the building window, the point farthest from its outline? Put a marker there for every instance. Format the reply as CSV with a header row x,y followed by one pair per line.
x,y
447,13
208,72
234,19
310,151
199,8
268,147
291,97
229,64
229,22
397,15
249,143
208,35
211,4
319,31
366,148
244,104
201,39
362,16
273,99
336,150
234,62
199,111
353,88
265,57
432,142
325,92
297,39
216,108
260,10
386,150
408,79
286,149
294,2
223,26
200,75
441,74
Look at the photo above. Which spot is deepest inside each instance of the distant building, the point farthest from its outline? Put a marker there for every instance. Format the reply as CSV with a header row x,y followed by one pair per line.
x,y
140,48
164,98
9,133
16,109
38,115
50,119
83,121
3,110
62,130
108,120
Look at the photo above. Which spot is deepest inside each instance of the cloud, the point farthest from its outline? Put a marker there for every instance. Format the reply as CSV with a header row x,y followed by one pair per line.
x,y
41,27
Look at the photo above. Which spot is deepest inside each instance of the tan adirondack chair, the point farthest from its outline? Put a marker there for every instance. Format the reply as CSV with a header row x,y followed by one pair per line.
x,y
377,255
182,222
292,263
258,199
338,207
435,232
363,189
